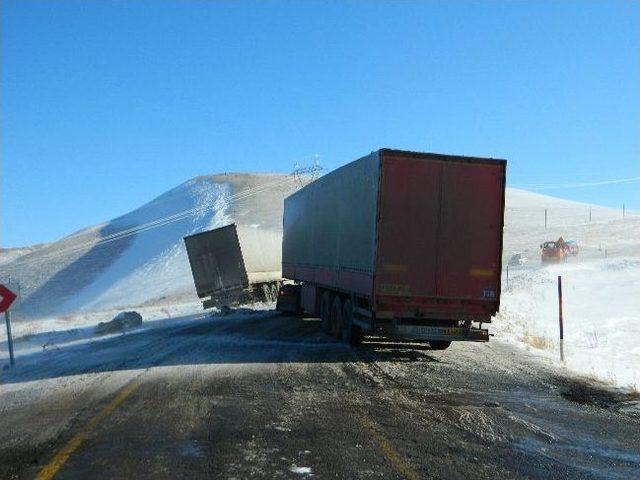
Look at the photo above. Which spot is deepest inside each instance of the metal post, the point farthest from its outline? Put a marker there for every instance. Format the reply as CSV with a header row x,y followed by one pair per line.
x,y
623,211
560,318
507,276
545,218
589,213
7,319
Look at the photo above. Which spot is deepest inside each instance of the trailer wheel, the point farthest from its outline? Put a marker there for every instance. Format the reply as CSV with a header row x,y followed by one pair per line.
x,y
266,292
357,335
439,345
336,318
347,322
325,312
274,291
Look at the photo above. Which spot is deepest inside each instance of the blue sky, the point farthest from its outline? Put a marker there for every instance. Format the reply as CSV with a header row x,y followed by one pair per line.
x,y
106,105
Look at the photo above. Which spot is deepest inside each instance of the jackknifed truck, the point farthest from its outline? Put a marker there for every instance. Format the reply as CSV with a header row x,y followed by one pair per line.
x,y
235,264
398,244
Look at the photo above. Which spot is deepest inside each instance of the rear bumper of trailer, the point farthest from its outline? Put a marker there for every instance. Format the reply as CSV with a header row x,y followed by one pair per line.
x,y
421,332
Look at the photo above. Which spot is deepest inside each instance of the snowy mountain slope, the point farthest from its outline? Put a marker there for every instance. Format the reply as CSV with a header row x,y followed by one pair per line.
x,y
155,262
93,270
10,254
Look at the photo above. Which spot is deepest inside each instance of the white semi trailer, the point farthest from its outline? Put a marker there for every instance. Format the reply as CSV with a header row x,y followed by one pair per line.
x,y
235,264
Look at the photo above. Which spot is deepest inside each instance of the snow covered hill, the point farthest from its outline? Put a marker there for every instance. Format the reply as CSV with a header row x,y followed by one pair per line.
x,y
139,258
591,226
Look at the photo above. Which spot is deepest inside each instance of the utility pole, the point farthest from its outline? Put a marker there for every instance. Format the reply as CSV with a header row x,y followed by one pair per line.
x,y
7,319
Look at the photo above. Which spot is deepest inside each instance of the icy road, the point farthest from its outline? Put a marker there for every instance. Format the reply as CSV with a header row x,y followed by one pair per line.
x,y
264,396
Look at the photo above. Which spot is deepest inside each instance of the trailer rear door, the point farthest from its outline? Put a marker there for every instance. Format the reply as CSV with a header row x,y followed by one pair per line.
x,y
470,239
216,261
408,226
439,227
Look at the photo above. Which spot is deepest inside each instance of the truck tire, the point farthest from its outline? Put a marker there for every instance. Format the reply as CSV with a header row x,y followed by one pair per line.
x,y
347,322
266,292
336,318
325,312
274,291
439,345
357,336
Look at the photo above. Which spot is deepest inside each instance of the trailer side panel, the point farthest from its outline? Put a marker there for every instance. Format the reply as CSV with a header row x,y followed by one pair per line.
x,y
329,228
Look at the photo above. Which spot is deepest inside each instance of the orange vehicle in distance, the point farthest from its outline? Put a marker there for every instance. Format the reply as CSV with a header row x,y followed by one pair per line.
x,y
554,251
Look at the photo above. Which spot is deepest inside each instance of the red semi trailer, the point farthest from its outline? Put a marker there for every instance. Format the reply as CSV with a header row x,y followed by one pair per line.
x,y
400,244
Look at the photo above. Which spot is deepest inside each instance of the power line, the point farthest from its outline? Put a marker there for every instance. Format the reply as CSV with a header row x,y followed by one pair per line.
x,y
160,222
577,185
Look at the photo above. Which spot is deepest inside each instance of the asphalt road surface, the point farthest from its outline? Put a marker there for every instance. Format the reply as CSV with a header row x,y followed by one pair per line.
x,y
265,396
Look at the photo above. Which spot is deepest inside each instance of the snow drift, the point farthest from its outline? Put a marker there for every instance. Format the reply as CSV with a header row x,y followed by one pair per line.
x,y
601,287
601,316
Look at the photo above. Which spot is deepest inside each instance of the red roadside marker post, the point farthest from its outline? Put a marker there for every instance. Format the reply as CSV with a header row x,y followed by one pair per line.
x,y
5,303
560,318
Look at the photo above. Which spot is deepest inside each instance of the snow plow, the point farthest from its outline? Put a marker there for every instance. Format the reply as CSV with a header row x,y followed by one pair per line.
x,y
557,251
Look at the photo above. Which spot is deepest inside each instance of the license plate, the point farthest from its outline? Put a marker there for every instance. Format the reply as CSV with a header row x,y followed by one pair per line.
x,y
442,333
434,330
453,331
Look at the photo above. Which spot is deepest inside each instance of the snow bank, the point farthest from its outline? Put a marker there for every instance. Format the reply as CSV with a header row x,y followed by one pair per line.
x,y
601,306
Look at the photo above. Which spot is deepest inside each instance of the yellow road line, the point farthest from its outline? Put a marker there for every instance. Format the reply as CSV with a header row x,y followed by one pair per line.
x,y
387,449
50,470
